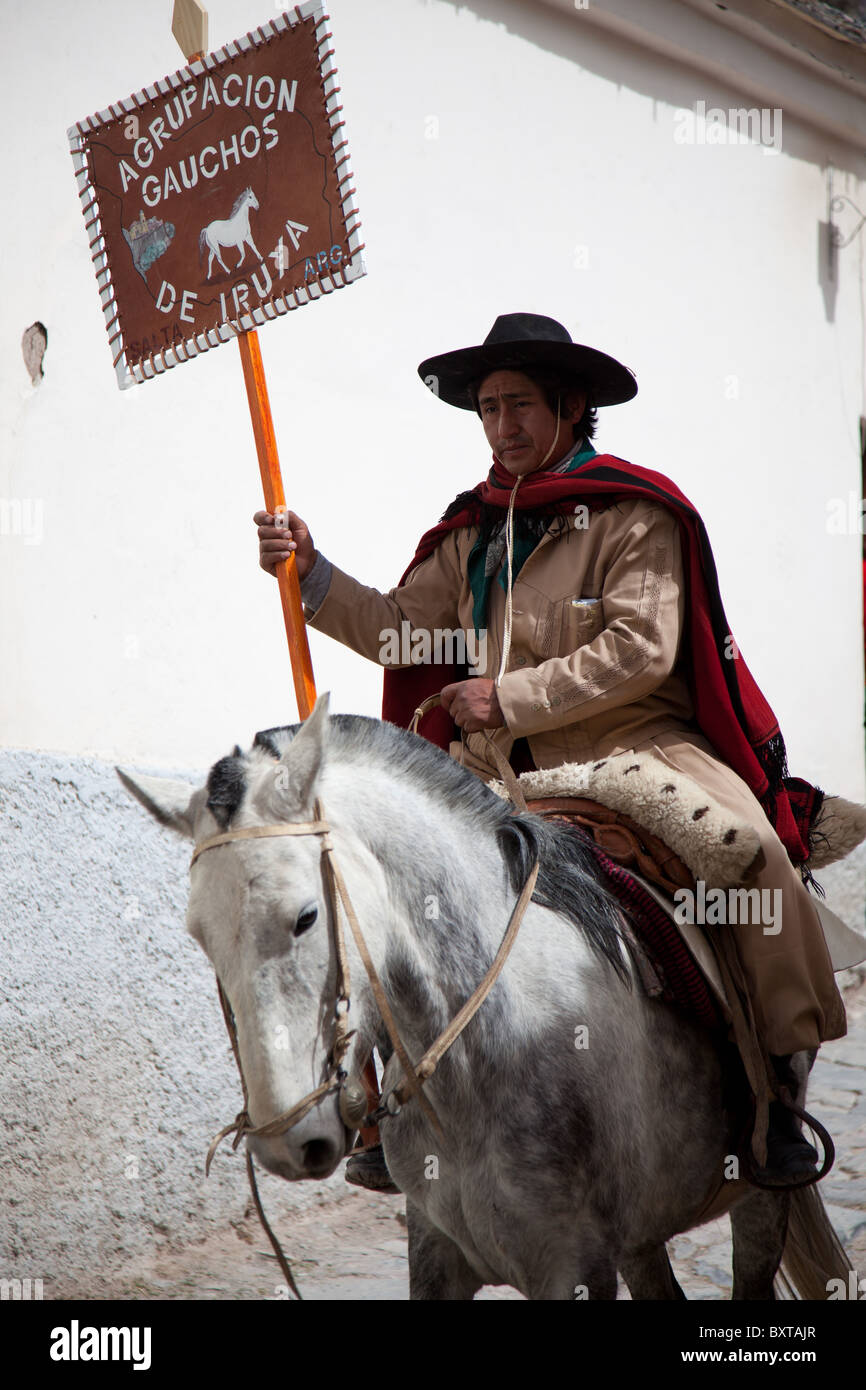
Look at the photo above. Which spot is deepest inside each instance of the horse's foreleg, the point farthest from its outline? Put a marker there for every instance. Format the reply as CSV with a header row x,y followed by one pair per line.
x,y
251,243
215,251
593,1280
581,1269
649,1275
437,1267
759,1225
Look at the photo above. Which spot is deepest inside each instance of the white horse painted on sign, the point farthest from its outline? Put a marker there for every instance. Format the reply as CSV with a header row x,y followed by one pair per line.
x,y
230,231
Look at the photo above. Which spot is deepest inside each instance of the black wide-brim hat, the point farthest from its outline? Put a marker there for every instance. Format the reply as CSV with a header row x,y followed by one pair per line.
x,y
521,341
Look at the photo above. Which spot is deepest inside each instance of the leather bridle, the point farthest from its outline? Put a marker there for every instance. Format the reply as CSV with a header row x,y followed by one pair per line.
x,y
352,1098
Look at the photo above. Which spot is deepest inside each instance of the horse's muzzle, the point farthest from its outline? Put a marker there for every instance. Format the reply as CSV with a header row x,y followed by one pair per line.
x,y
316,1156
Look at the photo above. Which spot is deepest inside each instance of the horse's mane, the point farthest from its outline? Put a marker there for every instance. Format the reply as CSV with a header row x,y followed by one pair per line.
x,y
569,880
238,200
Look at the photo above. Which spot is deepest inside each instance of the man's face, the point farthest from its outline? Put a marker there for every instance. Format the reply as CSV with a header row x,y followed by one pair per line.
x,y
521,427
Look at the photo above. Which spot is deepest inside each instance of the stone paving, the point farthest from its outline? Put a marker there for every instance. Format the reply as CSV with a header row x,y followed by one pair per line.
x,y
354,1247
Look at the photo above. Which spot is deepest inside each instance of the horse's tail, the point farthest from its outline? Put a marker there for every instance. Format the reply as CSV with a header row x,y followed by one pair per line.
x,y
202,243
813,1253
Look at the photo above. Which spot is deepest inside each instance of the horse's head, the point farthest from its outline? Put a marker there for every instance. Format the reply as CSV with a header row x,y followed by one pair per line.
x,y
260,910
251,199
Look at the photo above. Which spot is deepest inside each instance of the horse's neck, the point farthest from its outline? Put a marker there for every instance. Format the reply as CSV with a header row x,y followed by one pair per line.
x,y
425,849
432,901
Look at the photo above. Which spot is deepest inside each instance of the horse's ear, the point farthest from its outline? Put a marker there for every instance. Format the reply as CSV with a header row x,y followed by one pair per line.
x,y
302,759
167,801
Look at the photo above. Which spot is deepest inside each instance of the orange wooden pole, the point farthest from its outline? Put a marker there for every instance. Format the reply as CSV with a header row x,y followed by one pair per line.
x,y
189,26
272,483
190,29
290,588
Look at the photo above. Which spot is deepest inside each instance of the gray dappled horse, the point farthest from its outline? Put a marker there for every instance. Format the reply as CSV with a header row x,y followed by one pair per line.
x,y
583,1125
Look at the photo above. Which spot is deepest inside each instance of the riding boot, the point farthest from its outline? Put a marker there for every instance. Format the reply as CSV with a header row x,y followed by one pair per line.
x,y
368,1168
788,1153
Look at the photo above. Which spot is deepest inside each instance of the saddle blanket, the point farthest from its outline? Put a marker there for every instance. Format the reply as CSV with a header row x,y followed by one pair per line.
x,y
682,968
715,845
674,974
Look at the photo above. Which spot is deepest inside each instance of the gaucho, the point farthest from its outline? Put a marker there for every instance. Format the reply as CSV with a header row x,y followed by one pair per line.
x,y
594,584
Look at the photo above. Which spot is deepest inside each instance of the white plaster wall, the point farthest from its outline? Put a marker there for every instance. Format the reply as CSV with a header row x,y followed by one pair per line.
x,y
506,157
141,625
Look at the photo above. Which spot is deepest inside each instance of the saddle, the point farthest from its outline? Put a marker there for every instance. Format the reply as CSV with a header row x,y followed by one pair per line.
x,y
622,839
632,861
653,832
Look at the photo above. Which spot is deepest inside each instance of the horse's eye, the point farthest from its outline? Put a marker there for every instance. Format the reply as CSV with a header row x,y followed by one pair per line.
x,y
306,920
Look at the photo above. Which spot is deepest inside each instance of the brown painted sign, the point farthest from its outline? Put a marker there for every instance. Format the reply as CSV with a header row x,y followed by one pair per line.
x,y
221,197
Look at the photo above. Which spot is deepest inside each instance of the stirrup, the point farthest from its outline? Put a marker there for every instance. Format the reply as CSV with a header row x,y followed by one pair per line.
x,y
794,1160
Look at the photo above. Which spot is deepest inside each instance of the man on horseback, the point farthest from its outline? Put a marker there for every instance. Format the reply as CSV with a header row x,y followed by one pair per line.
x,y
593,583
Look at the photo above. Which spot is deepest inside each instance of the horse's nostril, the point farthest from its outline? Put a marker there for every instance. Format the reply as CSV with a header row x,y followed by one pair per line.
x,y
318,1155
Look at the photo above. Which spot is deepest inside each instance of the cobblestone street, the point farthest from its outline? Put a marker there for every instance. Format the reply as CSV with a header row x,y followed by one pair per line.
x,y
354,1247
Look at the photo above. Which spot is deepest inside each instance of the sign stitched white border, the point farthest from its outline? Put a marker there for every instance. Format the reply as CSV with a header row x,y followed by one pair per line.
x,y
165,358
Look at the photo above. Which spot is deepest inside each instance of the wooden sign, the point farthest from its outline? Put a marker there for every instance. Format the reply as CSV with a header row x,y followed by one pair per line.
x,y
220,197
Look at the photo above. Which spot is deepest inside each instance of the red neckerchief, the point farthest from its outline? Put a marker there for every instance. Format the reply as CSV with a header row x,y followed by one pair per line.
x,y
729,708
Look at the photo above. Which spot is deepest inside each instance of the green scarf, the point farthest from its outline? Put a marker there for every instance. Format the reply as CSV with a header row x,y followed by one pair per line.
x,y
524,544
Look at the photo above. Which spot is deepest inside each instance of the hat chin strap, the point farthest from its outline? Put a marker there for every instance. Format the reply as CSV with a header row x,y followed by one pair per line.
x,y
509,551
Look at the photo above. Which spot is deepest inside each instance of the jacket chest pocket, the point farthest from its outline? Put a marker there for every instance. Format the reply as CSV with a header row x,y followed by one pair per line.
x,y
580,620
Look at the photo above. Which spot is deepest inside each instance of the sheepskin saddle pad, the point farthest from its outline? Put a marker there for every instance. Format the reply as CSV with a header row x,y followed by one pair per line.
x,y
652,830
713,843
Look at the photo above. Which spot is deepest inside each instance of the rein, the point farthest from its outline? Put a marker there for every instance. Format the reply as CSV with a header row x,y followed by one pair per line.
x,y
352,1100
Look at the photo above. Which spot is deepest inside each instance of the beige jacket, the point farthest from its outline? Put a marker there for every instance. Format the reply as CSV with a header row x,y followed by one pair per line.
x,y
597,620
594,669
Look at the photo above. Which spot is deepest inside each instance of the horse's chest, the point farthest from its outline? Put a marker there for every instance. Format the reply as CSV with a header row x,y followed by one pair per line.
x,y
462,1202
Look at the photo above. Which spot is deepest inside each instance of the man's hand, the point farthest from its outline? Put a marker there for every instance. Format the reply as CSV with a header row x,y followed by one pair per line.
x,y
278,541
473,705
